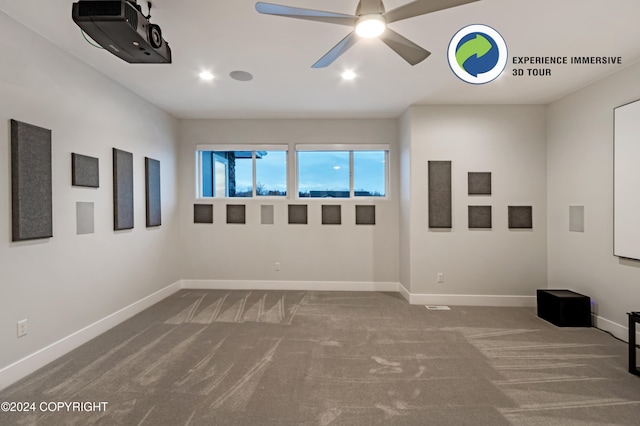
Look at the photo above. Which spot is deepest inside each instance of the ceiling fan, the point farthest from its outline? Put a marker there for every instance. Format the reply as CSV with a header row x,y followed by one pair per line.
x,y
369,21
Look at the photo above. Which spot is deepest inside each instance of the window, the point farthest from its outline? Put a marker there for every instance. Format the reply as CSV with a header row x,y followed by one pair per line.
x,y
271,174
342,171
321,171
323,174
369,173
254,172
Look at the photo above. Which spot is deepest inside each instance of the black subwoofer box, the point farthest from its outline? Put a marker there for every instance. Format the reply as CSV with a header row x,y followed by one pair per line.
x,y
564,308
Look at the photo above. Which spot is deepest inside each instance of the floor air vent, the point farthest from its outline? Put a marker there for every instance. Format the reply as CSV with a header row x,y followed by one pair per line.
x,y
437,307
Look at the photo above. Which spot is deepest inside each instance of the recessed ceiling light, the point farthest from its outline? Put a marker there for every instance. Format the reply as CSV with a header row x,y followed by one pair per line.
x,y
206,76
348,75
241,75
370,26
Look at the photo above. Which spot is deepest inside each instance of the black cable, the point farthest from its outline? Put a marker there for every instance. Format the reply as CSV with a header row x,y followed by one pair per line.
x,y
84,35
149,6
614,336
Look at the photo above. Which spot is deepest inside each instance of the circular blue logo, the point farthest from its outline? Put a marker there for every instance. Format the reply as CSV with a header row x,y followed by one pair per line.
x,y
477,54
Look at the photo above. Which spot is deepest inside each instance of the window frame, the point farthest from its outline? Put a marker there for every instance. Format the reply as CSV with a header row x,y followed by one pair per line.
x,y
233,147
351,148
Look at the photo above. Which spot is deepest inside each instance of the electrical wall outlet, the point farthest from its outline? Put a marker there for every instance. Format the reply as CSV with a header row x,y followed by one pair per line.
x,y
440,277
277,266
22,328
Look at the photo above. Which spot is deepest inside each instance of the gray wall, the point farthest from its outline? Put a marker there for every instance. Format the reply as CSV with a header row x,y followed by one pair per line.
x,y
580,172
313,252
405,200
66,283
509,142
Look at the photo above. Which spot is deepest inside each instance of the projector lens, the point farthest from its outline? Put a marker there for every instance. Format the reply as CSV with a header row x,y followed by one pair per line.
x,y
155,36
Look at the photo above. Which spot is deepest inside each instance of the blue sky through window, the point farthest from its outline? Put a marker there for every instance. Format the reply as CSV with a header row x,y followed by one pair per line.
x,y
271,173
323,173
244,177
369,173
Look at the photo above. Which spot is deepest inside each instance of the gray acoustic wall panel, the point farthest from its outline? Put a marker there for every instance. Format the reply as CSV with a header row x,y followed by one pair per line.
x,y
202,213
236,213
576,218
122,190
365,215
84,171
85,214
31,193
298,214
266,214
152,192
331,214
480,217
440,215
479,183
520,217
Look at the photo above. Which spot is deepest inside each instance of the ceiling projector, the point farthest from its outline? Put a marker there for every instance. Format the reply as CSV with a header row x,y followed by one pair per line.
x,y
120,27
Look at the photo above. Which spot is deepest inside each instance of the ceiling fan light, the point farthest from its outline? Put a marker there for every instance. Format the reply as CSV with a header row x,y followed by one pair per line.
x,y
205,75
370,26
348,75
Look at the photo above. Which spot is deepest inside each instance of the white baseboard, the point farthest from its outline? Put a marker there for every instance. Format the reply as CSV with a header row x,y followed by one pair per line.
x,y
618,330
27,365
289,285
404,292
467,299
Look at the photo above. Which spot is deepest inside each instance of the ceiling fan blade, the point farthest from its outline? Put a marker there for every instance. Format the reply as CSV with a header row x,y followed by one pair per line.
x,y
408,50
336,51
367,7
308,14
420,7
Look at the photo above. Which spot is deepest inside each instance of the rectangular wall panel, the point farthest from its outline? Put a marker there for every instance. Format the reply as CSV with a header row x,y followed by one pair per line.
x,y
479,183
297,214
480,217
576,218
520,217
85,218
84,171
366,215
202,213
331,214
440,215
626,181
152,192
267,214
236,213
31,193
122,190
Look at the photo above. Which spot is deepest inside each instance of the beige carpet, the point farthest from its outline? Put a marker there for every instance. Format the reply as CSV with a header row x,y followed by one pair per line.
x,y
334,358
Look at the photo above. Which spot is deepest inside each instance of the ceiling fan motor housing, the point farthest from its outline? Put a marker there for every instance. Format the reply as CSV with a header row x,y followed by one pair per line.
x,y
371,25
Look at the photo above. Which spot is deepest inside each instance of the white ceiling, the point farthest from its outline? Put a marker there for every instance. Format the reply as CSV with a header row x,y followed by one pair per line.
x,y
224,36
